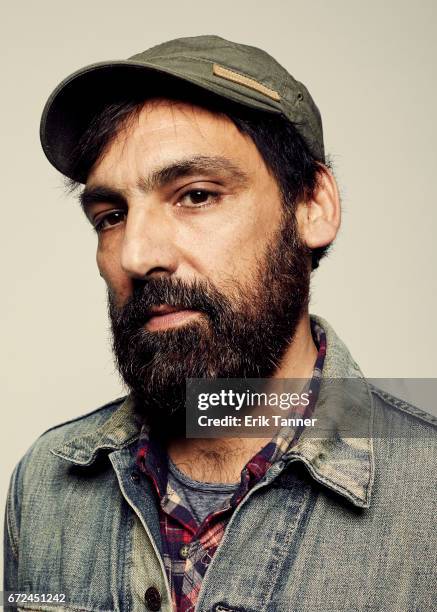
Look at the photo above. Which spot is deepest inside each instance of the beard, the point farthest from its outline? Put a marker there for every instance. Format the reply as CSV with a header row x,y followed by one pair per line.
x,y
241,334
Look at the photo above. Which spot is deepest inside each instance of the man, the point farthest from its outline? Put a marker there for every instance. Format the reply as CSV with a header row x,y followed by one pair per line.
x,y
207,185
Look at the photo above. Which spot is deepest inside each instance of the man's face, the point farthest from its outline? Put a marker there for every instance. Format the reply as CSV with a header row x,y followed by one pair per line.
x,y
206,274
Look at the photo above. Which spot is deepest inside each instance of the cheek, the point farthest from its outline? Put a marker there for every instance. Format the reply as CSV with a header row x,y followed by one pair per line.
x,y
234,247
108,263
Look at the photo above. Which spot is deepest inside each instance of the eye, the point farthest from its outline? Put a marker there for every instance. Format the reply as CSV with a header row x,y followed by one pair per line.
x,y
109,220
198,198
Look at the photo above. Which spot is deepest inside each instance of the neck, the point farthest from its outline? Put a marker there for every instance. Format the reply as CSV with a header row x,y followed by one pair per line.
x,y
222,459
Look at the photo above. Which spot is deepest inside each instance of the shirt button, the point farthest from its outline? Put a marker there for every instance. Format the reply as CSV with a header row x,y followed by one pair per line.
x,y
152,599
135,477
184,551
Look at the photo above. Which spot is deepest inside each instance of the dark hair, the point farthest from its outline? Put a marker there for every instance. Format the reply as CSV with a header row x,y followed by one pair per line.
x,y
279,143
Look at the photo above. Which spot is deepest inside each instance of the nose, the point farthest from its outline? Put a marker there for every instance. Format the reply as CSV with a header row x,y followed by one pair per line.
x,y
148,249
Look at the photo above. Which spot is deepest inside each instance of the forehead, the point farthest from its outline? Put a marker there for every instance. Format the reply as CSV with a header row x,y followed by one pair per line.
x,y
163,131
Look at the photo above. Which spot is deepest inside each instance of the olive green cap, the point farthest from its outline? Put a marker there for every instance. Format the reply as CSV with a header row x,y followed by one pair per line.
x,y
239,73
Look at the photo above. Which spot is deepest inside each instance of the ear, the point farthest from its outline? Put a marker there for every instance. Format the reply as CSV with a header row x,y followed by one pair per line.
x,y
319,218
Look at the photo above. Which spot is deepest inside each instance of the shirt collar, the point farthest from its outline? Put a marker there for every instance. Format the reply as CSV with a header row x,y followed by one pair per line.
x,y
345,465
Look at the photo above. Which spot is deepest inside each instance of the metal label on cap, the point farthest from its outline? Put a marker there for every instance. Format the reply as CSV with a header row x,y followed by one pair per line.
x,y
236,77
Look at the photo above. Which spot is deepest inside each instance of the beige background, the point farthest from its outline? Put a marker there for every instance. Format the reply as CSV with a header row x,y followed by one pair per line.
x,y
371,69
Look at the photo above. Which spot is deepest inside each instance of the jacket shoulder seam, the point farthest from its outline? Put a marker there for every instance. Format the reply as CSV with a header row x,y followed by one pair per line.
x,y
404,406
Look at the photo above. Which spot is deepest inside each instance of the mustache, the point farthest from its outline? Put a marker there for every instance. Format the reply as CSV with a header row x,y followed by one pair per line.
x,y
196,295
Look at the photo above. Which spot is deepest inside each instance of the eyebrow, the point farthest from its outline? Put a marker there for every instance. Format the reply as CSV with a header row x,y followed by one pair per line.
x,y
169,173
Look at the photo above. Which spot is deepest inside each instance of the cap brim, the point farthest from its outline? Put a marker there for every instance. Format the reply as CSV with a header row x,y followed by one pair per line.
x,y
79,98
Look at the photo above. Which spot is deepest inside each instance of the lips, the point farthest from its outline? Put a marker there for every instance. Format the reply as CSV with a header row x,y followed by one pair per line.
x,y
165,316
162,309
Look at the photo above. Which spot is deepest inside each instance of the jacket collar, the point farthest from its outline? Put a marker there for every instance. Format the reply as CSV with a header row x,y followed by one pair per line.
x,y
117,432
343,464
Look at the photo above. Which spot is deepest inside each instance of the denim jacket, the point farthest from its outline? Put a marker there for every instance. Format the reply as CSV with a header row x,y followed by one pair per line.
x,y
341,526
